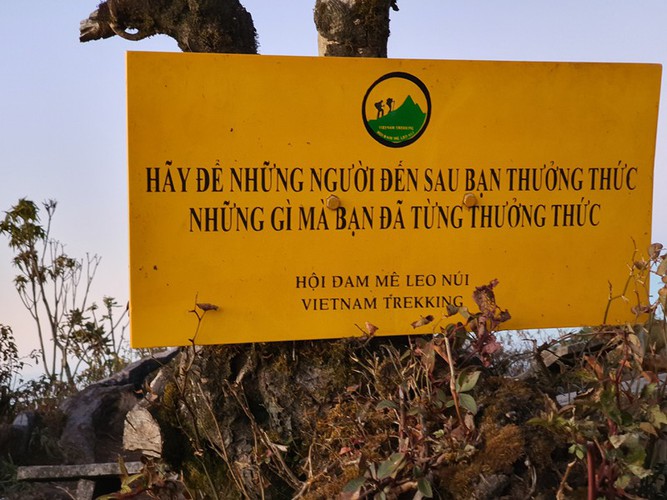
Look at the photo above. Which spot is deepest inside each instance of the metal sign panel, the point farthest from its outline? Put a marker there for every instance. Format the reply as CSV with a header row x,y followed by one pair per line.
x,y
304,196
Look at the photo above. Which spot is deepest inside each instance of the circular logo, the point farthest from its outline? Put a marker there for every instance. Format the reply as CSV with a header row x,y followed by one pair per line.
x,y
396,109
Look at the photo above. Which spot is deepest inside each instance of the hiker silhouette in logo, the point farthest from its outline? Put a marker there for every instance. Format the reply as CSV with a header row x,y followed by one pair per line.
x,y
380,108
390,104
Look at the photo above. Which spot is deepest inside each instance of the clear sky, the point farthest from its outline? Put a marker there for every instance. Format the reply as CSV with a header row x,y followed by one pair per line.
x,y
62,103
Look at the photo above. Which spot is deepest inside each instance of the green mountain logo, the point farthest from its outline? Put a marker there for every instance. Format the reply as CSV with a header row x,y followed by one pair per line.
x,y
400,124
389,123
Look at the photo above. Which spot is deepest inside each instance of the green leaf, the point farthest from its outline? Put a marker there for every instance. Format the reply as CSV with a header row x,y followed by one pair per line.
x,y
467,381
424,487
463,311
657,416
639,471
623,481
649,390
391,466
648,429
578,451
618,440
385,403
468,403
415,410
354,485
371,469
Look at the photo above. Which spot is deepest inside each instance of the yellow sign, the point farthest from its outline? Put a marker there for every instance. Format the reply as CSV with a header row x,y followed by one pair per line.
x,y
307,196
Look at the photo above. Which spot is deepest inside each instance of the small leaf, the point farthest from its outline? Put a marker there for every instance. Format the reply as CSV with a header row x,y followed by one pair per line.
x,y
662,268
654,250
441,396
639,471
577,450
126,483
281,447
469,420
648,429
468,403
428,356
371,328
463,311
204,306
354,485
662,295
657,416
634,340
618,440
415,410
649,390
424,487
623,481
467,381
371,470
423,320
123,469
385,403
391,466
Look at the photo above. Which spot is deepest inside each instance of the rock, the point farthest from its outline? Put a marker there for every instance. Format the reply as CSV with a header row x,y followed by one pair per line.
x,y
95,417
94,423
142,433
135,373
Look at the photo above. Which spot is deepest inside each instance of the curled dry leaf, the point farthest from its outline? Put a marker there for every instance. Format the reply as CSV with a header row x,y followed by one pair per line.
x,y
423,320
204,306
504,316
662,297
485,298
662,267
371,328
492,346
654,250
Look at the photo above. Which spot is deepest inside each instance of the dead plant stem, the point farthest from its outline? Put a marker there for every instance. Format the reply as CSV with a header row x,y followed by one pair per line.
x,y
452,384
560,495
223,447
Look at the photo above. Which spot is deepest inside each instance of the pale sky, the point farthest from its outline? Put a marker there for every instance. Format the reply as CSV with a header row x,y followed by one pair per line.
x,y
62,103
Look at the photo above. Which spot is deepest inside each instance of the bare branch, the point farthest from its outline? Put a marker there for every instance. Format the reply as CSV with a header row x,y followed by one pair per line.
x,y
197,25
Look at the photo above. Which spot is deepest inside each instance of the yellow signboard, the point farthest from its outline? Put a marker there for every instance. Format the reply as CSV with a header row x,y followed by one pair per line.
x,y
305,196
